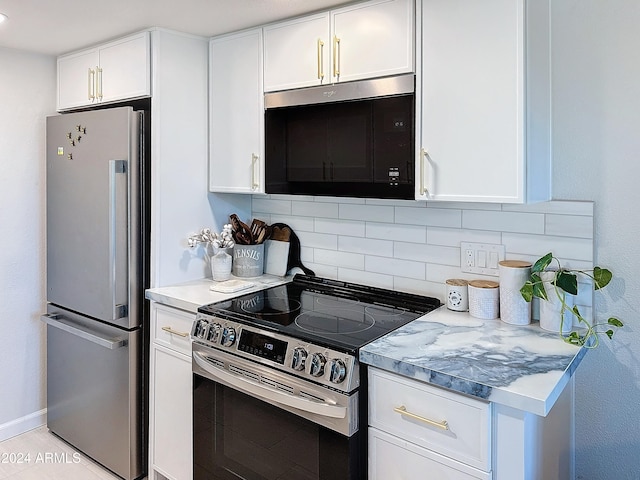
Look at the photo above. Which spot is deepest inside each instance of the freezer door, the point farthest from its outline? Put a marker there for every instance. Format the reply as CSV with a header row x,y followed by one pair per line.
x,y
92,213
93,390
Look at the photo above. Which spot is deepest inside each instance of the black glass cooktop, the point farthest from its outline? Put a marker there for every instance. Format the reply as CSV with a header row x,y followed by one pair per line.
x,y
330,313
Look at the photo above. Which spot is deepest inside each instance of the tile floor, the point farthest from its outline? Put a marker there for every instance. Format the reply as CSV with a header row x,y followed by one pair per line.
x,y
40,455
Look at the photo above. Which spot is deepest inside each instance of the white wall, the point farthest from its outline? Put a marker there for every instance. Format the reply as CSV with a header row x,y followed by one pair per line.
x,y
27,95
596,141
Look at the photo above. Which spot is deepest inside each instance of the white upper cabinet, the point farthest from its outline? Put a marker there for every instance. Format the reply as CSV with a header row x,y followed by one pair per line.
x,y
365,40
296,53
372,39
115,71
483,101
236,150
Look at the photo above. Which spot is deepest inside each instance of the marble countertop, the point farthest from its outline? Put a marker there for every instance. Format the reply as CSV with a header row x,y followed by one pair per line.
x,y
523,367
191,295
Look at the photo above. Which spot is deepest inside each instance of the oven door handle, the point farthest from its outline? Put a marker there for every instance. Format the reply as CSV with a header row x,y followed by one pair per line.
x,y
266,393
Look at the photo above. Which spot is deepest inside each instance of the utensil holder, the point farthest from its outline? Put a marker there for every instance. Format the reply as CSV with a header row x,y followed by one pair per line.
x,y
248,260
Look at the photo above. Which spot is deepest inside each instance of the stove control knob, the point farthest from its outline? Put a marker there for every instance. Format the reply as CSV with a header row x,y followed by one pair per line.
x,y
200,330
338,371
299,359
214,332
318,362
228,336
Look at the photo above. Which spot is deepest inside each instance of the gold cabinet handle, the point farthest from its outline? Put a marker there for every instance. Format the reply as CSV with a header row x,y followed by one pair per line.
x,y
254,163
91,75
175,332
99,83
402,410
336,56
423,169
320,49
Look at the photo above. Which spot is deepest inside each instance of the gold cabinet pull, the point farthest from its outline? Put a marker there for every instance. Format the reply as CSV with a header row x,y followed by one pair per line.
x,y
254,178
99,83
402,410
423,182
336,56
91,75
320,49
175,332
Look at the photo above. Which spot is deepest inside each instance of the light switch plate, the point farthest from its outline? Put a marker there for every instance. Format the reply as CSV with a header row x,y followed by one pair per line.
x,y
481,258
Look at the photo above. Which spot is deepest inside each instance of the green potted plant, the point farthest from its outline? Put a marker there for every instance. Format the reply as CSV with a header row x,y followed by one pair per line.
x,y
549,278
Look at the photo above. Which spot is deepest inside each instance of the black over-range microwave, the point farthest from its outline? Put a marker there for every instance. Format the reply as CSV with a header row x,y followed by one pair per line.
x,y
353,139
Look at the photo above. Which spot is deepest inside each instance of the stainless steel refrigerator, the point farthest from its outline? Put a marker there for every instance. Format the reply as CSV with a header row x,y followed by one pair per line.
x,y
96,274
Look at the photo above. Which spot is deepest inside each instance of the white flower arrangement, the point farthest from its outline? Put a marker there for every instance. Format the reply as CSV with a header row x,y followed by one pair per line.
x,y
223,239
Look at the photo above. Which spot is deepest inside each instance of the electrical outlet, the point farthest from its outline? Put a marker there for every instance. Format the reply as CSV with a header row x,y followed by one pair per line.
x,y
482,258
470,257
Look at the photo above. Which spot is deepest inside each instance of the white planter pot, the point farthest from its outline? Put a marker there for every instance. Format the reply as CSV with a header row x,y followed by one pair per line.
x,y
551,309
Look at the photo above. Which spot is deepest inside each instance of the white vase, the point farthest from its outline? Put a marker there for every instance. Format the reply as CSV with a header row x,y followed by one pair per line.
x,y
221,266
551,309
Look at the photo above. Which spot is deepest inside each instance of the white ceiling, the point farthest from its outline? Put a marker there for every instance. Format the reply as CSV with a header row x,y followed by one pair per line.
x,y
60,26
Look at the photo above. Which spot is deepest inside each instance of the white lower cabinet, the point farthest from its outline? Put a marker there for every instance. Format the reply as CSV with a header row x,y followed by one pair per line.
x,y
392,458
419,431
170,406
415,426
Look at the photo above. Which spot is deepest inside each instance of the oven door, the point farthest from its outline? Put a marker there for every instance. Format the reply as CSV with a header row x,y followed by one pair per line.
x,y
252,422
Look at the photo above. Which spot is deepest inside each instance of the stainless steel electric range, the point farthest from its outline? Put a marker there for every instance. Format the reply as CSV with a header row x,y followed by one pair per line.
x,y
278,389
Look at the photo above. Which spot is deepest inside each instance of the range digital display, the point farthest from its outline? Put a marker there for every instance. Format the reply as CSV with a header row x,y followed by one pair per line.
x,y
263,346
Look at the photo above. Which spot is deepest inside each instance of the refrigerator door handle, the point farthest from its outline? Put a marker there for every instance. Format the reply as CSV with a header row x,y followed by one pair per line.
x,y
116,167
55,321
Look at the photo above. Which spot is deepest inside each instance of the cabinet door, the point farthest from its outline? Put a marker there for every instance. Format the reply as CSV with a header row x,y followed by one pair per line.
x,y
236,159
76,79
125,69
393,458
472,101
373,39
296,53
171,428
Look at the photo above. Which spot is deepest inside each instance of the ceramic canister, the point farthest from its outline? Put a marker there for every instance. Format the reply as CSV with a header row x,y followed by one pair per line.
x,y
457,295
484,299
513,308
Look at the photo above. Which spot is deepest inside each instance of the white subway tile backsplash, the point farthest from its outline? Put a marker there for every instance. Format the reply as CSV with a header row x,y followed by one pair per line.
x,y
268,205
341,200
367,246
373,279
538,245
465,205
569,226
314,209
437,217
519,222
394,231
318,240
420,287
371,213
437,254
351,228
396,267
305,224
339,259
453,236
415,246
564,207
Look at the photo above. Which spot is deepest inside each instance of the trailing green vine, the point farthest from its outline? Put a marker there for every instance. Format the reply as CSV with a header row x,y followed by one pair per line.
x,y
566,280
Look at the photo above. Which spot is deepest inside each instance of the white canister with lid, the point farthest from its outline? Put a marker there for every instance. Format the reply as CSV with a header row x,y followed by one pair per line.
x,y
484,299
457,295
514,309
